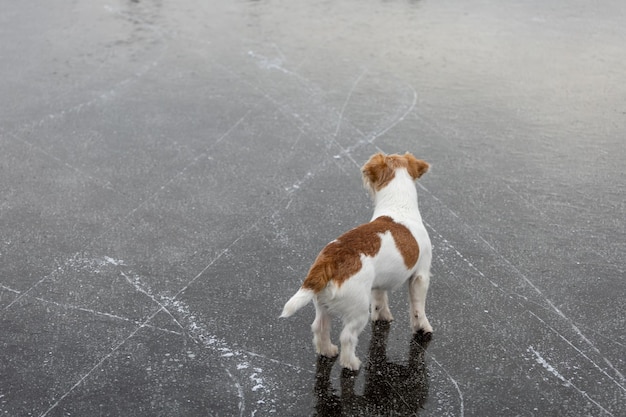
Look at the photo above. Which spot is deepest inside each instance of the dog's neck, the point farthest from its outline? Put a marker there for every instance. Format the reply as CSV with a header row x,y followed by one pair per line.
x,y
397,199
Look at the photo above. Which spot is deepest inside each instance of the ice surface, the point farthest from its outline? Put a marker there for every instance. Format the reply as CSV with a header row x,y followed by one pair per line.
x,y
169,172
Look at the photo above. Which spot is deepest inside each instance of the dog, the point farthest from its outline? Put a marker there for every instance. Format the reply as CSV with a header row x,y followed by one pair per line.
x,y
357,269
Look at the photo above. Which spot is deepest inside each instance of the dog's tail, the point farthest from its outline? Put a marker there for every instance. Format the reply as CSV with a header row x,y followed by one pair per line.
x,y
299,300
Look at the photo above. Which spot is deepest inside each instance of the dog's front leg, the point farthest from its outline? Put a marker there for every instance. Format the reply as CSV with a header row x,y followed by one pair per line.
x,y
418,287
380,306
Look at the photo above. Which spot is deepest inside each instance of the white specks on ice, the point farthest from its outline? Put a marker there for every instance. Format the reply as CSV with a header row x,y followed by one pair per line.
x,y
88,264
112,261
268,63
296,185
257,380
261,387
540,360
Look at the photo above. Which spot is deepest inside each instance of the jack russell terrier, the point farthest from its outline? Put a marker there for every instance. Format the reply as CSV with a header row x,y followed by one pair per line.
x,y
360,266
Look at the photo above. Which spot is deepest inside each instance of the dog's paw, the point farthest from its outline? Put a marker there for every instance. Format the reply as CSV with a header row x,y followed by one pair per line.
x,y
329,351
382,314
352,363
420,323
422,336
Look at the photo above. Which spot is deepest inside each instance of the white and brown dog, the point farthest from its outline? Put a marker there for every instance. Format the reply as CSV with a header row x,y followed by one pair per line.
x,y
360,266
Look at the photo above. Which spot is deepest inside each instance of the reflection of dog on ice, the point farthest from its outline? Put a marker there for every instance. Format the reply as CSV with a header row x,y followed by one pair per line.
x,y
358,268
391,389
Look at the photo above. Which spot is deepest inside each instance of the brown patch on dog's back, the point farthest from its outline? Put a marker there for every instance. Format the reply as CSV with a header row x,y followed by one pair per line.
x,y
381,168
406,244
341,259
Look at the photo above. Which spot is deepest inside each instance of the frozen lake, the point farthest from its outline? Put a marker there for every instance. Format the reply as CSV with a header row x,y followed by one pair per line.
x,y
170,170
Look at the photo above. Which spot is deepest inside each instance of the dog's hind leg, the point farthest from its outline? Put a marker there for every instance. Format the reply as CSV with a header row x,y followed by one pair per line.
x,y
380,306
418,287
353,326
321,332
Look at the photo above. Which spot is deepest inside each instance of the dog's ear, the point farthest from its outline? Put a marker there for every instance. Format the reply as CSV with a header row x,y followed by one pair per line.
x,y
416,167
374,170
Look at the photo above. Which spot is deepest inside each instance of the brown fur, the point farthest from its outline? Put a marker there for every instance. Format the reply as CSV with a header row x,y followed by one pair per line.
x,y
381,168
341,259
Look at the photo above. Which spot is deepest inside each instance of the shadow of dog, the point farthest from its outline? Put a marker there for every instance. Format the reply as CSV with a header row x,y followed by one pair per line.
x,y
391,389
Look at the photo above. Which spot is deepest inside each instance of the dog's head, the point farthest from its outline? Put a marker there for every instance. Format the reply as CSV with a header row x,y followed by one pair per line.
x,y
380,169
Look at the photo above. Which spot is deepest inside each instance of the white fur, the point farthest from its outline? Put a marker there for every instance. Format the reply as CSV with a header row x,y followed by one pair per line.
x,y
378,274
299,300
